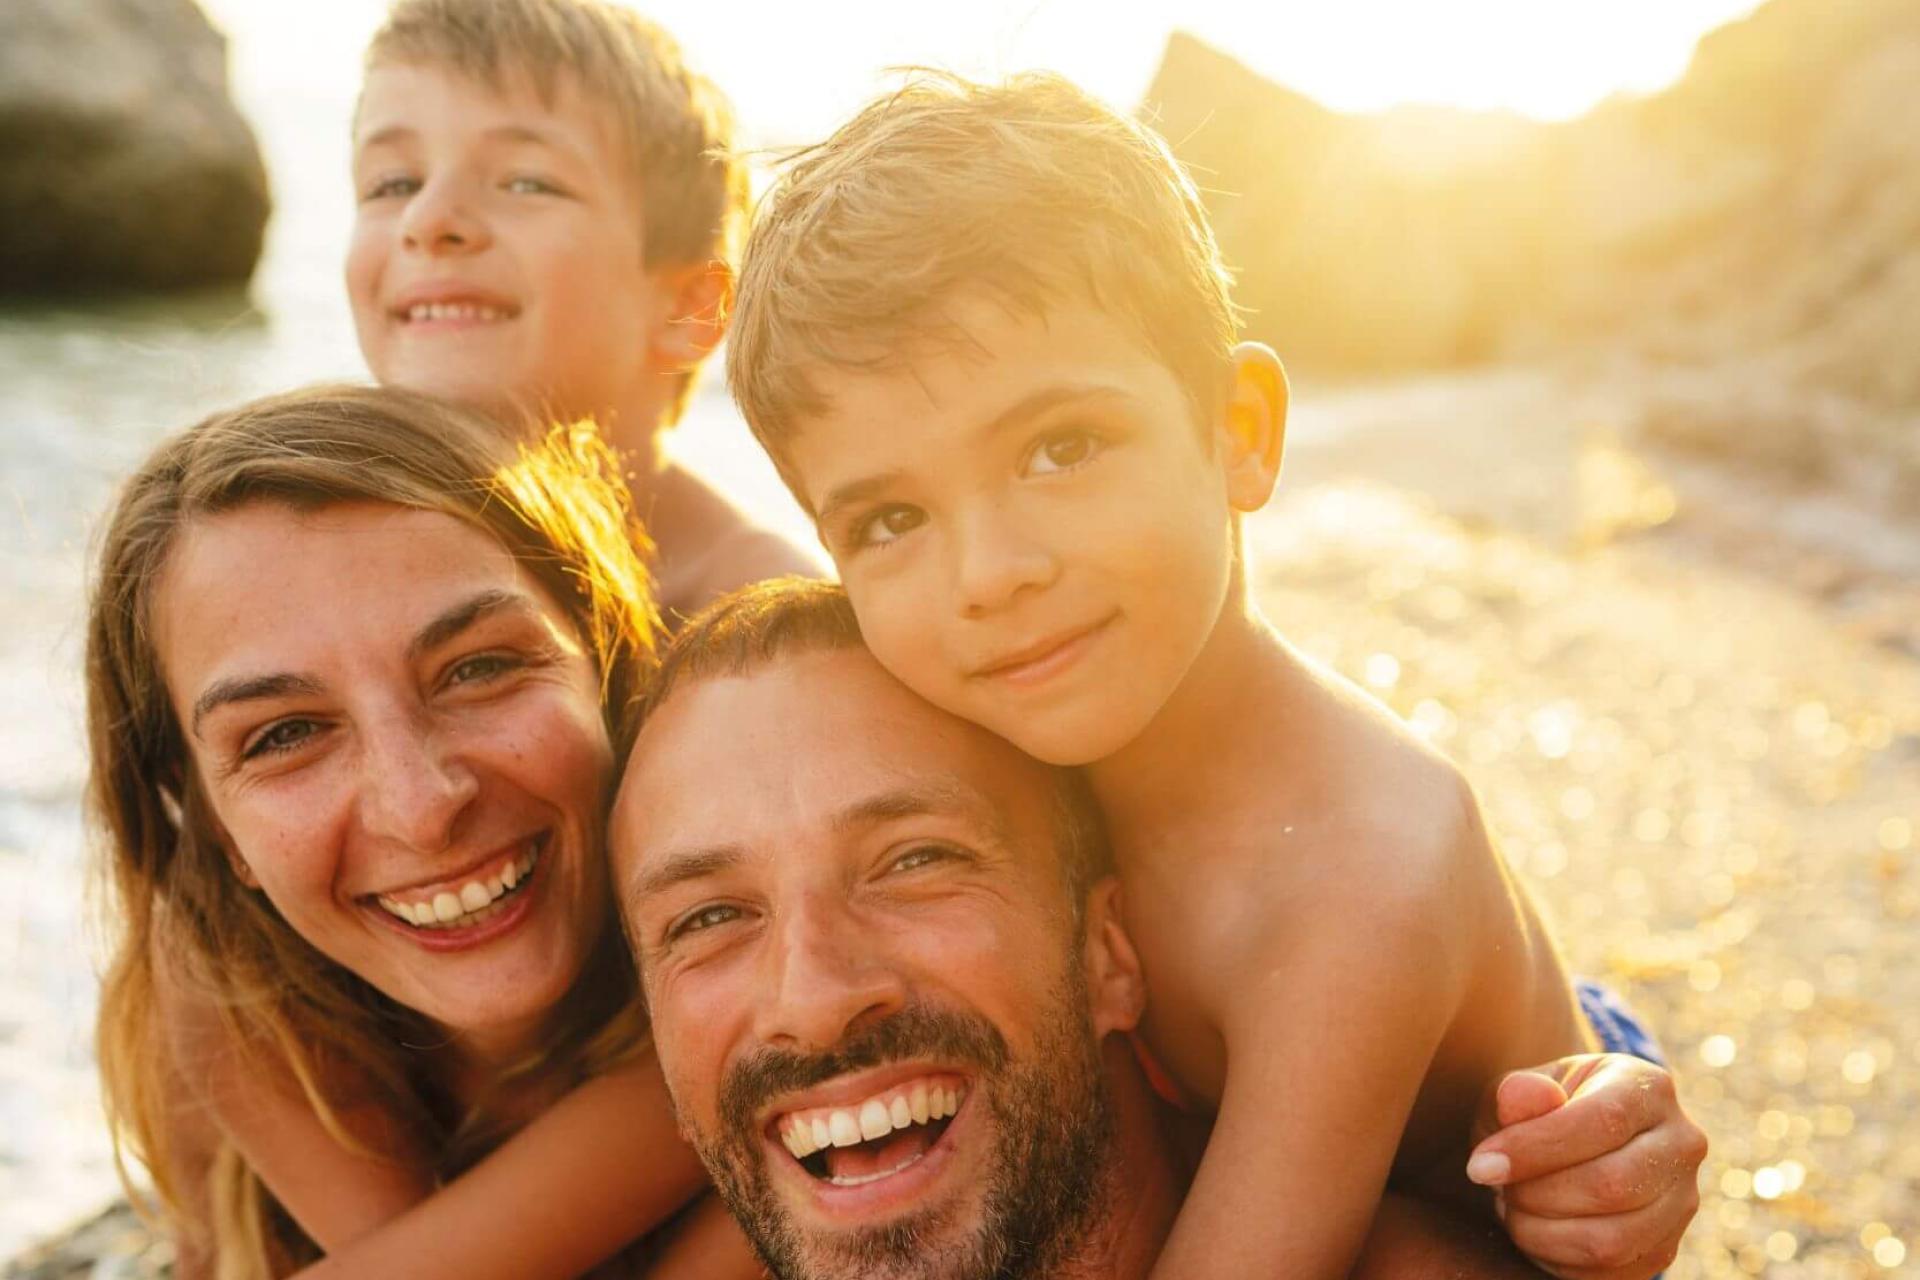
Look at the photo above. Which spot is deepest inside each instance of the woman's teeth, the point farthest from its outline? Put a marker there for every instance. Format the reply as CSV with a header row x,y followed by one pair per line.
x,y
475,901
923,1102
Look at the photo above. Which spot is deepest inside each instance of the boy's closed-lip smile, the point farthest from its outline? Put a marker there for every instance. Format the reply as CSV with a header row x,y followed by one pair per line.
x,y
1045,658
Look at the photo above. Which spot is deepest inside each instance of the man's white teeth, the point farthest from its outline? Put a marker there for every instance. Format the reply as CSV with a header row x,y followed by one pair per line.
x,y
875,1118
473,903
480,311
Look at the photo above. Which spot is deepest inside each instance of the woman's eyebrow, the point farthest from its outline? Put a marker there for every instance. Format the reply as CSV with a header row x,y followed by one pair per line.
x,y
459,617
249,689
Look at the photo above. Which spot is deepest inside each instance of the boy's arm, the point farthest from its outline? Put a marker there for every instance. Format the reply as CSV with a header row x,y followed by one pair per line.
x,y
1596,1166
1412,1240
591,1174
1328,1039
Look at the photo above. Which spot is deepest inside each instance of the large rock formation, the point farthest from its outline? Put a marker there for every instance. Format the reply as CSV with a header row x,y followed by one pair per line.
x,y
1756,225
126,165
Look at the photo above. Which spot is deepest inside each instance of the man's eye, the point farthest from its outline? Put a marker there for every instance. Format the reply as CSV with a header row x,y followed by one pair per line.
x,y
484,666
1062,451
921,856
280,737
704,918
888,524
399,185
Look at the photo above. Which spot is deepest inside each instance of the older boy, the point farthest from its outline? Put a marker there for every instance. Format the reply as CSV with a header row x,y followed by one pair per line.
x,y
547,201
985,333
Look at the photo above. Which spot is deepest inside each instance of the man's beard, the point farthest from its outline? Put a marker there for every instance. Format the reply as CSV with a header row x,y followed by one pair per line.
x,y
1046,1183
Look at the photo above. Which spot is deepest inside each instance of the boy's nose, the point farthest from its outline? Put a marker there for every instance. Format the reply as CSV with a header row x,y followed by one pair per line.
x,y
995,561
440,220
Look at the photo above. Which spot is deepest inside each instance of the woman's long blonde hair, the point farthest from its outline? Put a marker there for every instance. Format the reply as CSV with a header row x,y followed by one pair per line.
x,y
559,508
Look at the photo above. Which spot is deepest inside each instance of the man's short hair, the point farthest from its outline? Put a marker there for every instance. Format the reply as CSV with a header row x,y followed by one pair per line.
x,y
784,618
673,126
1030,192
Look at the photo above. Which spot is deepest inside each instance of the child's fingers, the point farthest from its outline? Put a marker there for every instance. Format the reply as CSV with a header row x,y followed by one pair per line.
x,y
1618,1182
1527,1095
1598,1120
1621,1246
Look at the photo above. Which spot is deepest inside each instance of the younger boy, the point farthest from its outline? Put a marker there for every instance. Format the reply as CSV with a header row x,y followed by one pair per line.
x,y
547,203
985,334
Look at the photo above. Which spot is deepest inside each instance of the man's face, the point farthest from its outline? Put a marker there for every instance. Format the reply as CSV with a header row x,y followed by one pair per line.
x,y
496,254
867,977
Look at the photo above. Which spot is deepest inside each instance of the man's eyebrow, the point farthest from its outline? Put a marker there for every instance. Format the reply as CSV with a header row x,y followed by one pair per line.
x,y
932,796
459,617
249,689
1020,412
690,864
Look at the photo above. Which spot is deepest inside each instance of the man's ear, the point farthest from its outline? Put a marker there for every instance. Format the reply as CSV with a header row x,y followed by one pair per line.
x,y
1116,990
697,300
1252,431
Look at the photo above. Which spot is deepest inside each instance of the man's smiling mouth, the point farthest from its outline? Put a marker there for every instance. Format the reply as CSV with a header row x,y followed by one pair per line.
x,y
874,1138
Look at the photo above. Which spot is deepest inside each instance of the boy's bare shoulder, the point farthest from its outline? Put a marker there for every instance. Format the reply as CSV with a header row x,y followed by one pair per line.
x,y
704,546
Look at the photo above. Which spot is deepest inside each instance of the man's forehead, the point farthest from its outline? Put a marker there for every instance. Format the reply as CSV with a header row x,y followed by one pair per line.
x,y
810,739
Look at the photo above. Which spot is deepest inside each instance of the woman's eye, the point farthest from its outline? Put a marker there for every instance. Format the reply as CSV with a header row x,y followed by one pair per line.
x,y
280,737
1062,452
888,524
387,188
704,918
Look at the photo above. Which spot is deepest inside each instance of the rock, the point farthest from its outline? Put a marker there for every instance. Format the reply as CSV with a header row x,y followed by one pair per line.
x,y
127,165
114,1244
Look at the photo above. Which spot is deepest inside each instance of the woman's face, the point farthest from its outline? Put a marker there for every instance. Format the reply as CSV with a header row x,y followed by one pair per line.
x,y
401,739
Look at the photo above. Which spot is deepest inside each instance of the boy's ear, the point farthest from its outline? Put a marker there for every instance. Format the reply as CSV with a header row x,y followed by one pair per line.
x,y
1253,425
1116,988
697,301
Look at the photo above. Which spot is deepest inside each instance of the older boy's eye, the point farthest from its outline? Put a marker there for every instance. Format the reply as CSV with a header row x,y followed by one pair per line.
x,y
528,185
1062,451
398,185
888,524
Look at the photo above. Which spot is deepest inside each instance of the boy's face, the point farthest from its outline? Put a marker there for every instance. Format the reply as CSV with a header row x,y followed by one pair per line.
x,y
1034,530
496,254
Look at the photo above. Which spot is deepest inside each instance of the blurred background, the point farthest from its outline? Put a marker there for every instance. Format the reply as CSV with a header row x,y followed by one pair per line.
x,y
1604,469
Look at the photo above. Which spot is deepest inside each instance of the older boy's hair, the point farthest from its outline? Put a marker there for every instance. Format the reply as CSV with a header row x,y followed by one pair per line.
x,y
674,125
1031,193
784,618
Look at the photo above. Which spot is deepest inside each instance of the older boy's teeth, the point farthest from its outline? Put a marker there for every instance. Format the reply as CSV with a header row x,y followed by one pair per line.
x,y
874,1120
844,1129
917,1103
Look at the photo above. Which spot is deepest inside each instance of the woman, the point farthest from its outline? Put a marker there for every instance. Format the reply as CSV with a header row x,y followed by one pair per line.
x,y
356,667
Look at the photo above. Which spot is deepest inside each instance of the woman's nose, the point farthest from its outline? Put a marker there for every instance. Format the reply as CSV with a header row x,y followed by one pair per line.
x,y
414,786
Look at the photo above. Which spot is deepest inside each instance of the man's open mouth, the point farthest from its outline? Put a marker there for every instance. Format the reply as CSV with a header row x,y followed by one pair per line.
x,y
876,1137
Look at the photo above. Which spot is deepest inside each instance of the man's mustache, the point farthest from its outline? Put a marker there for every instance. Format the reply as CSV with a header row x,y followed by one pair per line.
x,y
917,1031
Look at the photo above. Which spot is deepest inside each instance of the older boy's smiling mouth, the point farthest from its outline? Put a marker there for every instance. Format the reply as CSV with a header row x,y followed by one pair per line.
x,y
1034,663
450,307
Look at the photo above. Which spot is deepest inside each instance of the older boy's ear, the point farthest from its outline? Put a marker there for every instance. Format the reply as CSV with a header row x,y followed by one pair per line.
x,y
1115,984
698,299
1253,426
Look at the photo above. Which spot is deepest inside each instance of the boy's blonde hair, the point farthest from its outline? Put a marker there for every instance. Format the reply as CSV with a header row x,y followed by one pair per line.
x,y
1030,193
673,125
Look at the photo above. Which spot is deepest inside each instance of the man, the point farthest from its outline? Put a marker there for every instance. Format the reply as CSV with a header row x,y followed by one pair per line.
x,y
888,978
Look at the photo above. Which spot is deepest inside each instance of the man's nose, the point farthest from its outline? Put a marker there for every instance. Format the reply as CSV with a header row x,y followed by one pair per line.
x,y
823,980
414,784
440,218
996,559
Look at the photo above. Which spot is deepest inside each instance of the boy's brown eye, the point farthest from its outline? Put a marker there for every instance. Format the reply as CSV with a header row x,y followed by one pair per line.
x,y
887,524
1061,452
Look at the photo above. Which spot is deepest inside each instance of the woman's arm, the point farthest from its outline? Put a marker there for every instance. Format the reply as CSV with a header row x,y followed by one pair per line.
x,y
594,1172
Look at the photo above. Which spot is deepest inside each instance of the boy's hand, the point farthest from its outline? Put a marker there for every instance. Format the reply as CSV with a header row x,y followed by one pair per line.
x,y
1593,1165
